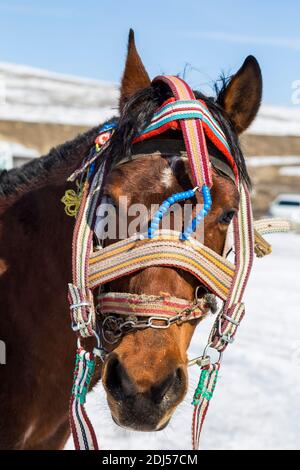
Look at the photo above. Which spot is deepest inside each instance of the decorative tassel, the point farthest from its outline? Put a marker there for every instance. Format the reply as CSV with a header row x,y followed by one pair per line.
x,y
72,200
82,430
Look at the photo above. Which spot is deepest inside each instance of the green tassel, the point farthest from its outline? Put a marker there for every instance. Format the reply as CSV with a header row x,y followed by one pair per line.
x,y
201,391
90,364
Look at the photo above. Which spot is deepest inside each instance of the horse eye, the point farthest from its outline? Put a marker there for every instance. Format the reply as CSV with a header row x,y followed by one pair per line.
x,y
227,217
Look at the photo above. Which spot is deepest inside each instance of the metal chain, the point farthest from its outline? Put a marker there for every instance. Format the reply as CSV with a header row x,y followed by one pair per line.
x,y
113,327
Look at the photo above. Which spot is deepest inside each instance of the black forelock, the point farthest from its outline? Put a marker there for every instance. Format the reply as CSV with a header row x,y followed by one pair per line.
x,y
61,160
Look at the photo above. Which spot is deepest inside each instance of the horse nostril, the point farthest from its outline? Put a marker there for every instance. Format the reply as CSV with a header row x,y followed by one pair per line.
x,y
170,387
117,381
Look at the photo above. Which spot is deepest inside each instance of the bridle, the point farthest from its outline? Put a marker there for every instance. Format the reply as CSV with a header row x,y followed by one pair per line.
x,y
123,312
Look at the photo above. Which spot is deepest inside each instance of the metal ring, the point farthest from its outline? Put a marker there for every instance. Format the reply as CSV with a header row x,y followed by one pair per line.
x,y
167,320
80,304
207,347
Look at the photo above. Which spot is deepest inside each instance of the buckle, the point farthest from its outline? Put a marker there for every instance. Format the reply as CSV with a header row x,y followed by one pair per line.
x,y
227,339
81,324
231,320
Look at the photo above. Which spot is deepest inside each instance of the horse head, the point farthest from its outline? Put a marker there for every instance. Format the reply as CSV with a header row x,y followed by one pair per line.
x,y
145,374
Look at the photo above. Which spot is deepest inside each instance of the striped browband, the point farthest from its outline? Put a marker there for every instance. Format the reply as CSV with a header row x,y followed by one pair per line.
x,y
169,115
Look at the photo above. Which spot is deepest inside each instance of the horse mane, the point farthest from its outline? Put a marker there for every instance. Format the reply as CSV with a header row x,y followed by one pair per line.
x,y
61,161
53,168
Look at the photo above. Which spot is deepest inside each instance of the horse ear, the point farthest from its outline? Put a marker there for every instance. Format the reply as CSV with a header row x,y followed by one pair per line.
x,y
135,77
241,98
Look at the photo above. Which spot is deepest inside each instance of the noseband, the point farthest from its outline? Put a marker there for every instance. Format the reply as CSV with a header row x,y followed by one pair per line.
x,y
122,312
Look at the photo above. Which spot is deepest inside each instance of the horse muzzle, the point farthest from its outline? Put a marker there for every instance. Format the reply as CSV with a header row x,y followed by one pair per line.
x,y
145,403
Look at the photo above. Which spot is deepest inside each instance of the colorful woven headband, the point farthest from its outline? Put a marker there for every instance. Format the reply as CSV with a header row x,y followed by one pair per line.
x,y
172,112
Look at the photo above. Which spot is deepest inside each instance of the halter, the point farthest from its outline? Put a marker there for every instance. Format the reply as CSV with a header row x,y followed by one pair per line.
x,y
122,312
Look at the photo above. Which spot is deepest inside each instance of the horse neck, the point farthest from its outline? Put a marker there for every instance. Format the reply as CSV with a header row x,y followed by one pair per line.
x,y
37,224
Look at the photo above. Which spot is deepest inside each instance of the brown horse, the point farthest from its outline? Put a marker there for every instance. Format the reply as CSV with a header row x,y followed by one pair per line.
x,y
145,376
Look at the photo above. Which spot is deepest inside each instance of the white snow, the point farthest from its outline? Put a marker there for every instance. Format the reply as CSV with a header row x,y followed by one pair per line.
x,y
290,171
9,151
273,160
256,404
33,95
18,150
275,120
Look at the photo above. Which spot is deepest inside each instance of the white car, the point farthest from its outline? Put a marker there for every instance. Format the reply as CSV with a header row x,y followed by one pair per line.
x,y
286,206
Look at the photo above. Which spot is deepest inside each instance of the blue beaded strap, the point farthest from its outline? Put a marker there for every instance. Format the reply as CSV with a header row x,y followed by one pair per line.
x,y
200,216
165,206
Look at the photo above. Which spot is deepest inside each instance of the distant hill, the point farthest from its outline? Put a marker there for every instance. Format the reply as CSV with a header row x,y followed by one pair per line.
x,y
28,94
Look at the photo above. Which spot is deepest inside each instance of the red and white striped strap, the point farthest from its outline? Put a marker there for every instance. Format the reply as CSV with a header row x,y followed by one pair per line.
x,y
193,133
230,317
80,296
82,430
228,320
201,400
126,304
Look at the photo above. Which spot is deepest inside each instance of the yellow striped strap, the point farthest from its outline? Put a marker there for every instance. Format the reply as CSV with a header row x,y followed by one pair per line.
x,y
130,255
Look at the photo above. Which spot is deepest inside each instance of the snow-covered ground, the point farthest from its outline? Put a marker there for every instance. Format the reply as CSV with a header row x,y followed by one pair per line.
x,y
256,404
277,120
290,171
273,160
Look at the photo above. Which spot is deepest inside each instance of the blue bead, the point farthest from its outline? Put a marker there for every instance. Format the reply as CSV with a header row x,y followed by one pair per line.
x,y
204,212
166,204
206,207
156,220
171,200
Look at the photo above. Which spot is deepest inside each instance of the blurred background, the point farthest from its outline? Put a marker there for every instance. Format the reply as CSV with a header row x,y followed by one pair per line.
x,y
61,62
60,66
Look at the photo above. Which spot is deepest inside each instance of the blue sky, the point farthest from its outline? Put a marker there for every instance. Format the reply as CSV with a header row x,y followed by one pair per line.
x,y
88,38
